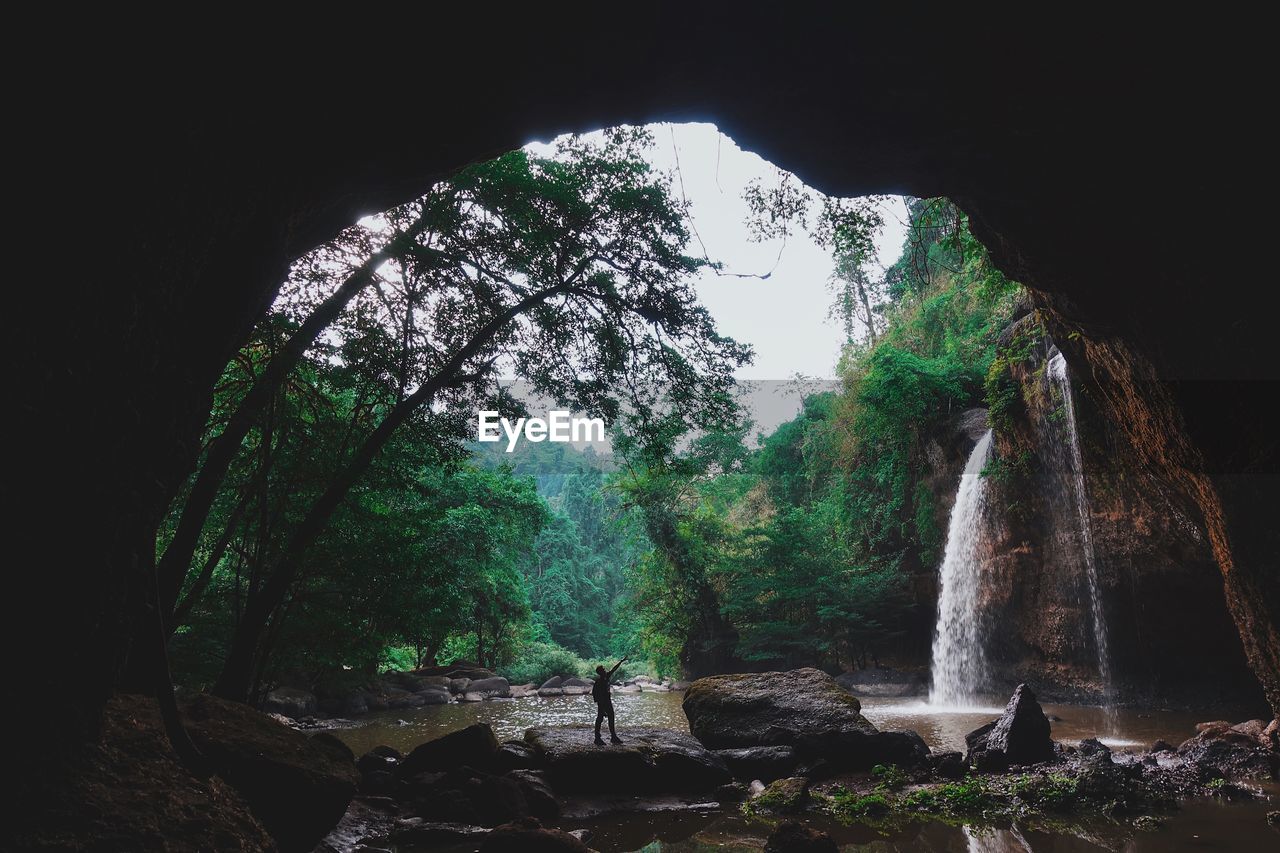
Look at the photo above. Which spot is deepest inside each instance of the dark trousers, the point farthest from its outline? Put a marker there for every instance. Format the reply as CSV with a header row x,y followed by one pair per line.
x,y
605,709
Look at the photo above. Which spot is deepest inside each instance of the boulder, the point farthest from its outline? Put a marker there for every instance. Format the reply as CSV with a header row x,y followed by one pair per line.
x,y
458,685
529,836
1020,736
804,709
650,760
785,796
375,762
575,687
406,700
435,696
1230,754
537,793
474,746
766,763
948,765
515,755
375,702
520,691
792,837
292,702
471,697
297,786
345,706
490,688
551,687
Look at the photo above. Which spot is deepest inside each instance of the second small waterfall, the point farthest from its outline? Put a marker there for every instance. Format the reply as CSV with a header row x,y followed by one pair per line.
x,y
1058,373
959,658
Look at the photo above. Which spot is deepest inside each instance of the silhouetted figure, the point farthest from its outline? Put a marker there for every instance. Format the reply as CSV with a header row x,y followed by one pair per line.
x,y
604,701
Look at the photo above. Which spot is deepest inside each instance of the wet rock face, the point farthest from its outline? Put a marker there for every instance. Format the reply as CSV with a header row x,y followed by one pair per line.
x,y
1244,750
529,836
297,786
804,709
648,760
793,837
765,763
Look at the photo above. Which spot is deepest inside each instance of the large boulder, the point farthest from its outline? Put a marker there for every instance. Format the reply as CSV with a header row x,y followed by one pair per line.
x,y
297,786
575,687
765,763
490,688
465,795
475,746
804,709
650,760
552,686
291,702
1019,736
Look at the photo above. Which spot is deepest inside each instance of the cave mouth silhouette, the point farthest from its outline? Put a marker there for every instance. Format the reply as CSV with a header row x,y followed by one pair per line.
x,y
212,192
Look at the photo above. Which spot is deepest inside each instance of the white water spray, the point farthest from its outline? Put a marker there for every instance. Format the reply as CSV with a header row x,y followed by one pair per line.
x,y
1058,373
959,657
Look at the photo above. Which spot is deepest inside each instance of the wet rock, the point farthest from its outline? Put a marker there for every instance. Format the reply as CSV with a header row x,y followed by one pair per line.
x,y
734,792
406,700
759,762
649,760
474,746
1091,746
785,796
292,702
520,691
458,685
1020,736
471,697
1161,746
816,769
537,793
551,687
515,755
435,696
948,765
1231,754
379,783
373,762
575,687
297,786
804,709
345,706
529,836
491,688
792,837
1147,823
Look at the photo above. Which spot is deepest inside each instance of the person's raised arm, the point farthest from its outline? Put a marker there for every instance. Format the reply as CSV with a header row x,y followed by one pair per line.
x,y
615,667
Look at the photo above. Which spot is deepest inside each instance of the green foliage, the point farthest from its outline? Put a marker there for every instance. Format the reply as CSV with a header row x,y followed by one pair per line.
x,y
539,661
891,776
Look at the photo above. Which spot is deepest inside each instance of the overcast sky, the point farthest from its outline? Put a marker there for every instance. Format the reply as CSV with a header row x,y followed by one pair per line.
x,y
784,317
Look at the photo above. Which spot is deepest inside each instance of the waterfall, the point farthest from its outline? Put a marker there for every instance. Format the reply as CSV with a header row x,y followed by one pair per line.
x,y
1058,373
959,659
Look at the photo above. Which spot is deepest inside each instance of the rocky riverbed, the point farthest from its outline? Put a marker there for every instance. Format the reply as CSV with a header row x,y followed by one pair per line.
x,y
772,748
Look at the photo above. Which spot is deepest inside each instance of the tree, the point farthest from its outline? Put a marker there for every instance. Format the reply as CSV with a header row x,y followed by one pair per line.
x,y
568,271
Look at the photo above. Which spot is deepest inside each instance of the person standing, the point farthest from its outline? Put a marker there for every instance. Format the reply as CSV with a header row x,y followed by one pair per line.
x,y
604,701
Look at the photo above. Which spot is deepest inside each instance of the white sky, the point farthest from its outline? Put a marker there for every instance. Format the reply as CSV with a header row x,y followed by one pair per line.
x,y
785,316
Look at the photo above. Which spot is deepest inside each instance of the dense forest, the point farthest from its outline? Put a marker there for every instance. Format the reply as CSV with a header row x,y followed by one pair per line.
x,y
344,521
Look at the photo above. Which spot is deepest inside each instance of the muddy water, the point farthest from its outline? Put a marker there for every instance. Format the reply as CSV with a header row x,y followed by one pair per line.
x,y
1198,826
940,729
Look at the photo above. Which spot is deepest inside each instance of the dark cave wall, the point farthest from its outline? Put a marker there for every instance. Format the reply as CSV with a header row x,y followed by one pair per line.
x,y
1087,156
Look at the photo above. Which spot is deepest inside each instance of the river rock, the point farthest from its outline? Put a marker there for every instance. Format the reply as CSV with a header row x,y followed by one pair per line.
x,y
435,696
792,837
766,763
406,700
293,702
575,687
297,786
948,765
1230,754
785,796
537,793
516,755
350,705
465,795
529,836
458,685
802,708
650,760
520,691
551,687
474,746
490,688
1020,736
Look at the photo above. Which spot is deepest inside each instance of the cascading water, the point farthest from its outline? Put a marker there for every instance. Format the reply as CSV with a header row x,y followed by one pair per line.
x,y
959,659
1058,374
